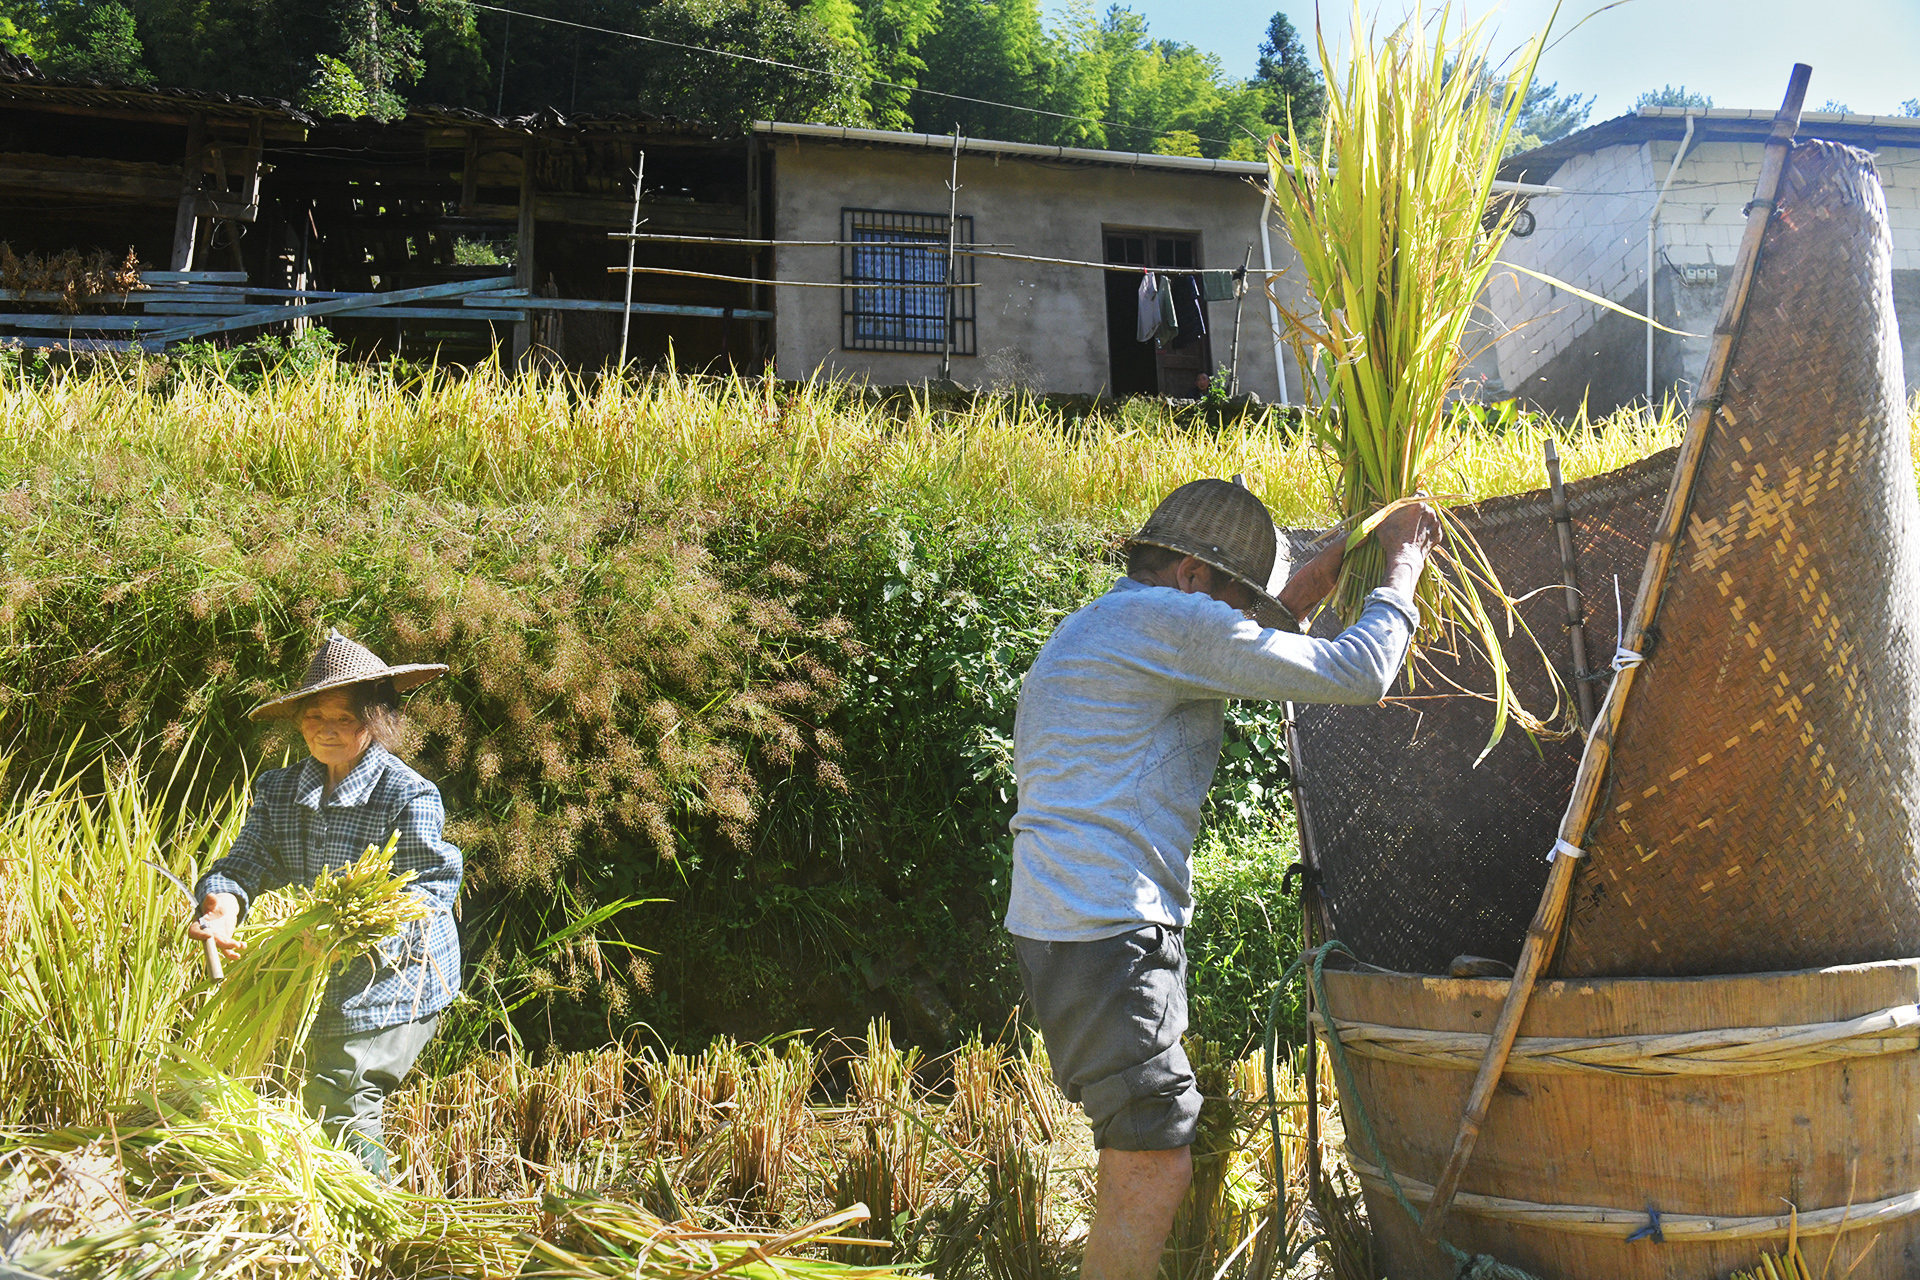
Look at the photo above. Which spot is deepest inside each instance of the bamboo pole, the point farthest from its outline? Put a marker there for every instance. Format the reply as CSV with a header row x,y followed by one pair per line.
x,y
633,242
1543,934
1569,570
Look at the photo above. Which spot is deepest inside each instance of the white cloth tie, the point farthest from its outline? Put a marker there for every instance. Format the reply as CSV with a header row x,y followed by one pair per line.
x,y
1562,849
1623,657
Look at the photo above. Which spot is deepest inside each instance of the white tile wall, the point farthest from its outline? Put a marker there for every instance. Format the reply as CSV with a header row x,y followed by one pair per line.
x,y
1586,238
1595,236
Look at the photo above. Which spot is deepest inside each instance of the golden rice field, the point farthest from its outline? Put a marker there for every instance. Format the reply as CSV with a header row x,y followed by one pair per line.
x,y
147,1128
489,436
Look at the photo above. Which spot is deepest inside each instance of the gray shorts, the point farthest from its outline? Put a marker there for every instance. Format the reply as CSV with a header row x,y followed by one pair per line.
x,y
1112,1013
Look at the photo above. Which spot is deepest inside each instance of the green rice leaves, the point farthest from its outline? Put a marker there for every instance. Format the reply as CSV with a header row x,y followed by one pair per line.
x,y
1392,221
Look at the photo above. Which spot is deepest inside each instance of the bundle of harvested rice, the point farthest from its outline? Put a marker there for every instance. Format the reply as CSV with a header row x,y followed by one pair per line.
x,y
227,1174
1391,220
94,981
258,1018
584,1239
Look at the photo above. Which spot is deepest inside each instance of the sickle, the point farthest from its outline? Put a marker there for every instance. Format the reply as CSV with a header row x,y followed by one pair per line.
x,y
215,970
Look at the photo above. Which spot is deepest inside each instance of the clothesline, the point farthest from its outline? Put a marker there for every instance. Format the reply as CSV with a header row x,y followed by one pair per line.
x,y
786,284
966,251
747,242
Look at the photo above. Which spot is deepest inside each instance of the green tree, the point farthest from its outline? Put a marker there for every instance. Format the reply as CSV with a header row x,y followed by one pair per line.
x,y
997,51
19,23
724,91
1668,95
1291,78
74,40
1910,108
335,90
382,53
1547,115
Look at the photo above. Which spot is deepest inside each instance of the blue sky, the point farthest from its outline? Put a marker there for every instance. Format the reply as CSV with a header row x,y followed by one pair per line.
x,y
1864,53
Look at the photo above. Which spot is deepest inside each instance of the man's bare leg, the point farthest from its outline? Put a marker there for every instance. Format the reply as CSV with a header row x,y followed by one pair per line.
x,y
1135,1200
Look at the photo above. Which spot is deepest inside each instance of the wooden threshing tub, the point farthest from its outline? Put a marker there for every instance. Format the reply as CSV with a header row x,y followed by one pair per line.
x,y
1722,1103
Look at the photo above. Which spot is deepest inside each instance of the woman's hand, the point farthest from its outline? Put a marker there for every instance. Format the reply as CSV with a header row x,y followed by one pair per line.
x,y
219,917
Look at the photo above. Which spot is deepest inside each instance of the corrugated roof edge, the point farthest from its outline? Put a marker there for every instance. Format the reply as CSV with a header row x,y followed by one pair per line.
x,y
1718,124
1040,151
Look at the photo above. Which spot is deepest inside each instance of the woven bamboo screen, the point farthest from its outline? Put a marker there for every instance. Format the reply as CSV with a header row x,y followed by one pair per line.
x,y
1423,857
1763,808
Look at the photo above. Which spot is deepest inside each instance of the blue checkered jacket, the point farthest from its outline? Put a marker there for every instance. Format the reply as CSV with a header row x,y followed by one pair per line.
x,y
291,835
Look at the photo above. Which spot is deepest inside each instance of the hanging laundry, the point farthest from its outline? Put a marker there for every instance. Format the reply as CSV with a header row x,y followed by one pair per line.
x,y
1157,319
1189,311
1219,286
1148,322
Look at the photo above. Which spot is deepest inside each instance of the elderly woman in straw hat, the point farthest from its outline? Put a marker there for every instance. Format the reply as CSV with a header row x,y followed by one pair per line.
x,y
1115,744
322,813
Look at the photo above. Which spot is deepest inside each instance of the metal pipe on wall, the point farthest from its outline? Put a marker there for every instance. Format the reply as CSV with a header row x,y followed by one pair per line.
x,y
1653,228
1273,311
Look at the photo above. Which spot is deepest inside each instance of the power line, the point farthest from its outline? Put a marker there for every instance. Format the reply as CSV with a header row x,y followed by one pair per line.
x,y
831,75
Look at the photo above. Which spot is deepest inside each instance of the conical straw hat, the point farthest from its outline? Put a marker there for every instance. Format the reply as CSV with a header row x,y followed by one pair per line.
x,y
341,662
1222,524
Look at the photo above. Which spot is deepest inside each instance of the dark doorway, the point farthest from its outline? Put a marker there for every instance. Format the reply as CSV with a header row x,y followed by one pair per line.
x,y
1135,367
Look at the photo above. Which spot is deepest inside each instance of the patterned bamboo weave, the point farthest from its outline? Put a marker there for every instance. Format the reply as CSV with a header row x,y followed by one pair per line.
x,y
1422,856
1761,809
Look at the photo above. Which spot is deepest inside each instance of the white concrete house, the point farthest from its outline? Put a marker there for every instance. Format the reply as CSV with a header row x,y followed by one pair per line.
x,y
1666,185
1044,326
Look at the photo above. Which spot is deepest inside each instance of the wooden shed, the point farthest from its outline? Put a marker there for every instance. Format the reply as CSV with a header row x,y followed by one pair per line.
x,y
312,208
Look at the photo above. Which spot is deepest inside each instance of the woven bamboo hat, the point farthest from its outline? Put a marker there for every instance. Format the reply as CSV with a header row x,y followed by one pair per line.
x,y
341,662
1222,524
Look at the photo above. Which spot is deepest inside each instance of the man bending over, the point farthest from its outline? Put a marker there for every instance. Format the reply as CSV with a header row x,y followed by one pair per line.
x,y
1115,745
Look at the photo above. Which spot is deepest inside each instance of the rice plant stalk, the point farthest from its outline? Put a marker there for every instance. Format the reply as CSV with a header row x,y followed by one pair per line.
x,y
93,977
1390,218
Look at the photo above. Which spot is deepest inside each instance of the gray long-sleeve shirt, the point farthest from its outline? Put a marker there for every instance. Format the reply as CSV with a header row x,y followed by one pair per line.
x,y
1118,735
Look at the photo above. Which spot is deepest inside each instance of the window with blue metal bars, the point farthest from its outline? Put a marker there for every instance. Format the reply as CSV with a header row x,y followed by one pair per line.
x,y
896,266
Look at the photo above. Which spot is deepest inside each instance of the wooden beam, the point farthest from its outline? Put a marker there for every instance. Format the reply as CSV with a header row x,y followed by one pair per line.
x,y
334,306
73,344
523,245
89,176
84,323
105,186
469,174
256,148
593,304
186,218
164,111
195,277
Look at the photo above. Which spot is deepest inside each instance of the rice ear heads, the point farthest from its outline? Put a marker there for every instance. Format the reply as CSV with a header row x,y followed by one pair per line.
x,y
1391,221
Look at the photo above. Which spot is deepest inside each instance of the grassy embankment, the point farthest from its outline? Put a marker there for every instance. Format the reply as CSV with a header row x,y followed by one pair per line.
x,y
749,650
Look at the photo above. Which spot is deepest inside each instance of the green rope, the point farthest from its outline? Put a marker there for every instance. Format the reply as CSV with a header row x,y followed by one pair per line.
x,y
1475,1266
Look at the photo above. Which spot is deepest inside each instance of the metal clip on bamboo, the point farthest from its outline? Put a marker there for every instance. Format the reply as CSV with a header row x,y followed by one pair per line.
x,y
1544,933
